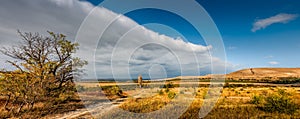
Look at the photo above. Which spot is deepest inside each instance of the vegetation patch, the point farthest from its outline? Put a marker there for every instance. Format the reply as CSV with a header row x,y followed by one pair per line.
x,y
43,74
276,102
145,105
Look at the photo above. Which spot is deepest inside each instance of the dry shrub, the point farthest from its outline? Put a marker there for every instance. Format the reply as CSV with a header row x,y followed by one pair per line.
x,y
145,105
276,102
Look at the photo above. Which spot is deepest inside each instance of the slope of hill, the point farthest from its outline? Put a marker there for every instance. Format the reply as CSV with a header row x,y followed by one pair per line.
x,y
252,74
265,73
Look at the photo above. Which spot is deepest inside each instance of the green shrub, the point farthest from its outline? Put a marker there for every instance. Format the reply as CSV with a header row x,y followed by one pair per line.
x,y
111,91
171,95
115,90
167,90
280,103
169,85
181,92
160,92
256,99
283,93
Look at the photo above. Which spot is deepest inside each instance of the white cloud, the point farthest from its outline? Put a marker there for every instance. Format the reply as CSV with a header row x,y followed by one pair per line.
x,y
66,16
269,57
232,48
273,63
279,18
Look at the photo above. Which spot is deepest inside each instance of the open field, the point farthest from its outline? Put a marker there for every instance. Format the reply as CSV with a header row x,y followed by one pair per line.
x,y
235,98
185,96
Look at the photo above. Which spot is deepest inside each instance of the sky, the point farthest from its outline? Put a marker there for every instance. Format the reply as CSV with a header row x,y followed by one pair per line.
x,y
258,33
158,43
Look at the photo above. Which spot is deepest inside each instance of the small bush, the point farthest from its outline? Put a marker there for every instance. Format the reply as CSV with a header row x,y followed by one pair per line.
x,y
181,92
115,90
167,90
283,93
256,99
169,85
160,92
171,95
279,103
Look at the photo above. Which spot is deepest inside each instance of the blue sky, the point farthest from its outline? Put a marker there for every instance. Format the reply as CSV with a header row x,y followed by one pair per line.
x,y
274,46
276,43
255,34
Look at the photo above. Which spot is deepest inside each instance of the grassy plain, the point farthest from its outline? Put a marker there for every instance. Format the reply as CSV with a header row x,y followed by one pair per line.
x,y
235,100
234,103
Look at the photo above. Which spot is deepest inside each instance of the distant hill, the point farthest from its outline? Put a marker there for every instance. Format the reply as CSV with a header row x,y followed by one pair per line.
x,y
265,73
251,74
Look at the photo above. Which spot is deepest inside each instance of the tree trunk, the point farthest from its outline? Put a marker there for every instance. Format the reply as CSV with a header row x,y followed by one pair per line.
x,y
6,103
20,108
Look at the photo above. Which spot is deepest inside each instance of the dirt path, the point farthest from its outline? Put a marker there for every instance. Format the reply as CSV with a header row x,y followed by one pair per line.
x,y
98,109
82,112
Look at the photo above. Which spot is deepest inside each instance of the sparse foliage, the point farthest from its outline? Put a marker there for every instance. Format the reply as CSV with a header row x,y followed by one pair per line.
x,y
160,92
171,95
257,99
44,71
278,102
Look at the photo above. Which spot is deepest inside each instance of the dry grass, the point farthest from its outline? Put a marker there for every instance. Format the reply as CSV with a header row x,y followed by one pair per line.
x,y
233,103
42,110
90,96
145,105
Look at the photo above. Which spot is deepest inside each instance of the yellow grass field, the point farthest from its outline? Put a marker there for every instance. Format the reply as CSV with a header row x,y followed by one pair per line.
x,y
234,99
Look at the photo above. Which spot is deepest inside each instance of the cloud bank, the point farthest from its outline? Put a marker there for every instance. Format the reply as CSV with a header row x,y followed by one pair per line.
x,y
279,18
165,57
